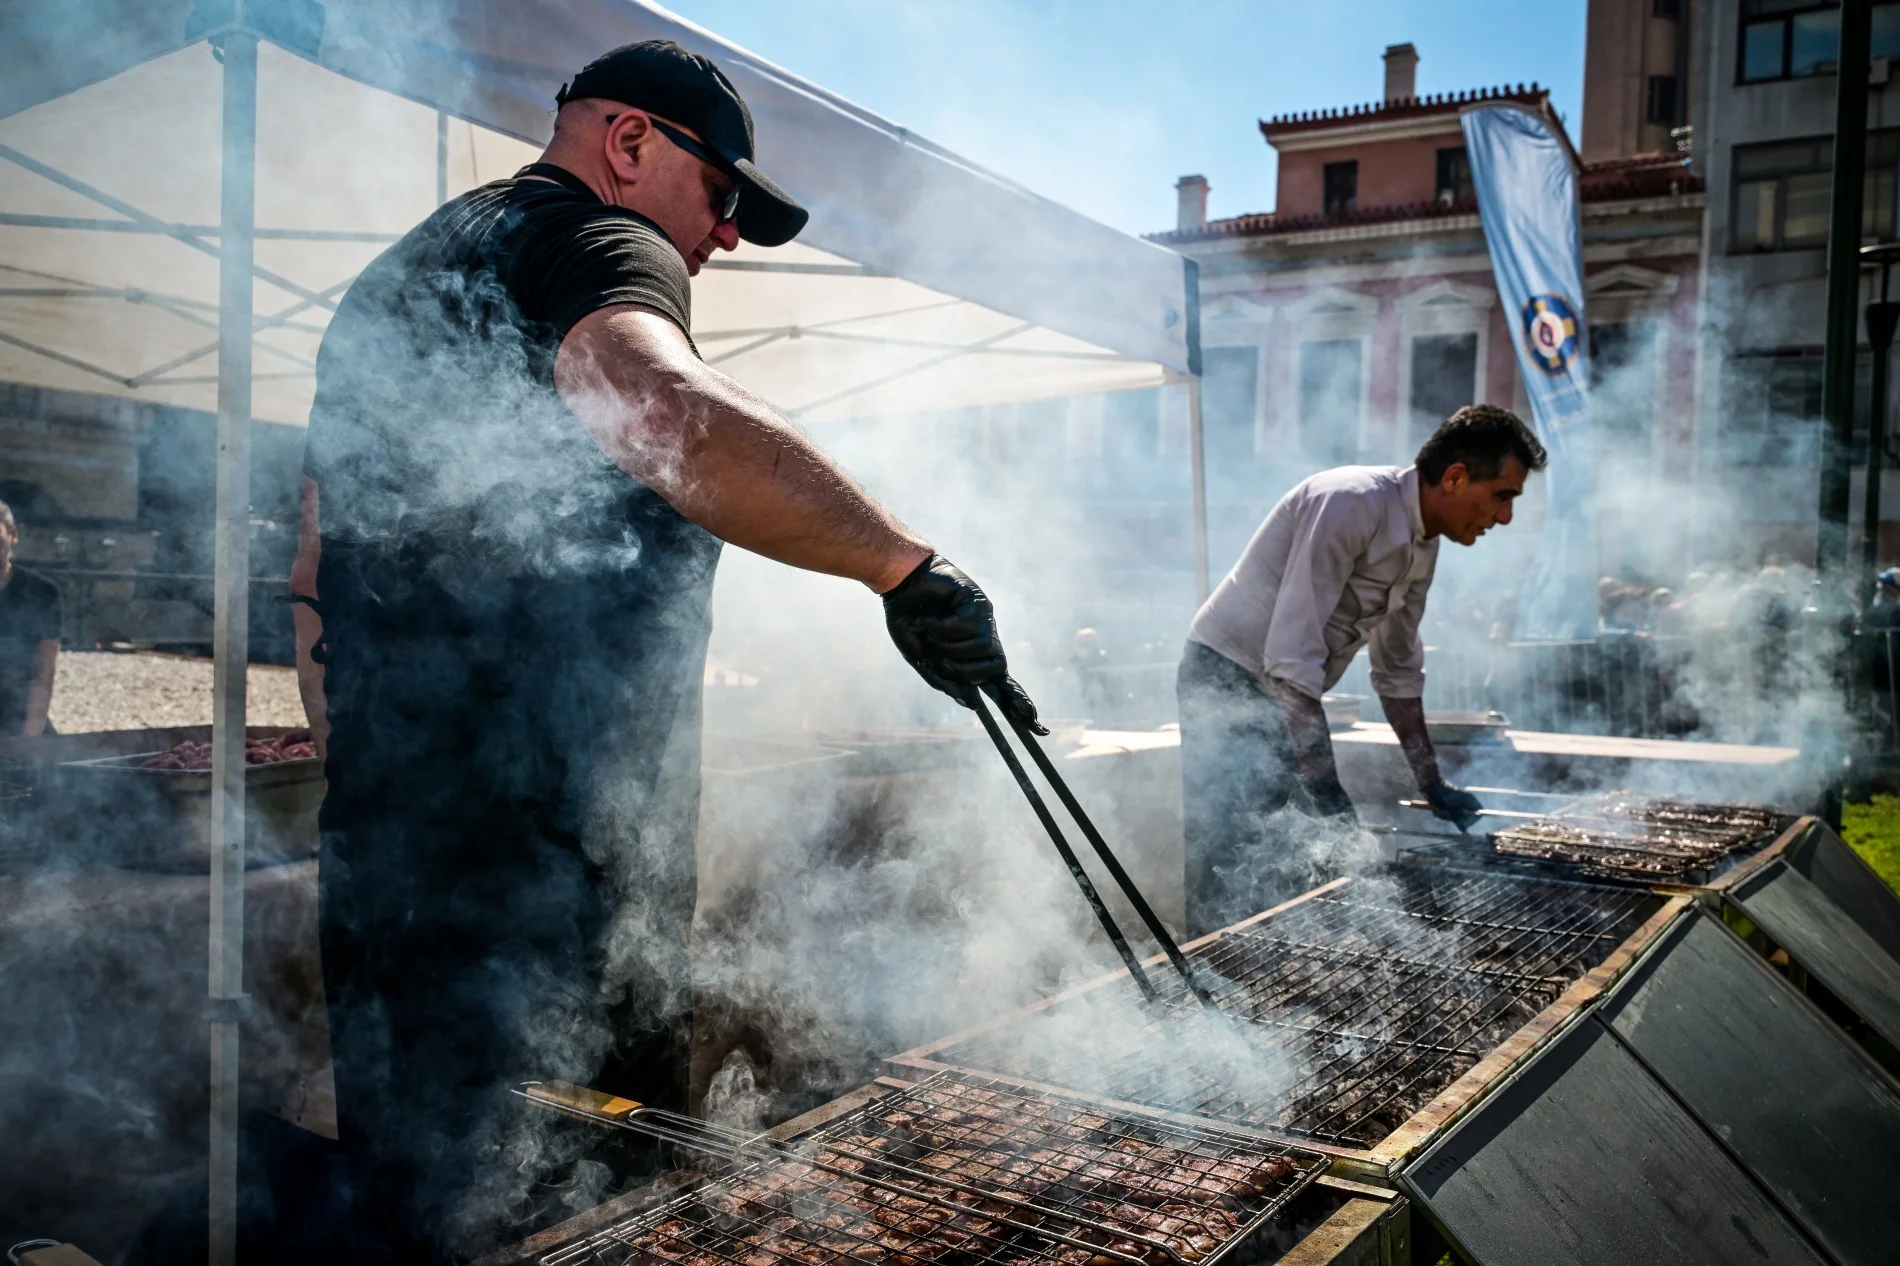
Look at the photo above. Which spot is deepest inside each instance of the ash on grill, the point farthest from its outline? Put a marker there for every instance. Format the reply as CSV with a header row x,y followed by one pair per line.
x,y
1362,1003
1621,836
958,1172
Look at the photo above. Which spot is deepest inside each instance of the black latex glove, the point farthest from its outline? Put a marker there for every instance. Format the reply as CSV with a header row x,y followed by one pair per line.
x,y
944,626
1330,800
1453,804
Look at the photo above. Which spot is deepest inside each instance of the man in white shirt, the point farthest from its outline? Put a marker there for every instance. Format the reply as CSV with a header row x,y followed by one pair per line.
x,y
1343,561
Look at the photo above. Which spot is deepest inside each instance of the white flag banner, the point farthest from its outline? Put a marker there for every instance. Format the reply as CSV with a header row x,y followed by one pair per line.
x,y
1527,202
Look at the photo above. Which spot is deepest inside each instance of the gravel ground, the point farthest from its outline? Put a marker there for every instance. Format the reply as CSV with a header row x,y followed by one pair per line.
x,y
105,690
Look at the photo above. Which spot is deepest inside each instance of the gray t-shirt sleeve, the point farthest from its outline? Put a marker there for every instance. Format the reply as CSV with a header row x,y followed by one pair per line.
x,y
591,257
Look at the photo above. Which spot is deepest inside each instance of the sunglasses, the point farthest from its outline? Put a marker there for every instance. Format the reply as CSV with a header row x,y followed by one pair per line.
x,y
729,208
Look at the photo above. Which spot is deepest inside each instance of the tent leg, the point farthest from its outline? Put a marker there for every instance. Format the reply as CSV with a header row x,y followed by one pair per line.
x,y
1197,455
441,158
231,627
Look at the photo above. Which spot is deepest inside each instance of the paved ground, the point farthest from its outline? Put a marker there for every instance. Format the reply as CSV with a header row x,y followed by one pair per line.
x,y
104,690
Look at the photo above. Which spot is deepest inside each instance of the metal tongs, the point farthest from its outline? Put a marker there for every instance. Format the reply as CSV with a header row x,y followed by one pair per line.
x,y
1156,928
873,1169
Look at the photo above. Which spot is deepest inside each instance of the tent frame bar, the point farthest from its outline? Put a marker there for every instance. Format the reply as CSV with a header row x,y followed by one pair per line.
x,y
169,228
276,319
71,362
230,635
1197,440
787,266
906,372
177,232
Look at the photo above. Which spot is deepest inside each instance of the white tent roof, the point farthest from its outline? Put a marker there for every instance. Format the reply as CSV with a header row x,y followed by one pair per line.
x,y
922,281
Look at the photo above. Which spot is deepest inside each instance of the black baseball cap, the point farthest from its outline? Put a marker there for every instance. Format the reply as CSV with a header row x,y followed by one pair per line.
x,y
684,88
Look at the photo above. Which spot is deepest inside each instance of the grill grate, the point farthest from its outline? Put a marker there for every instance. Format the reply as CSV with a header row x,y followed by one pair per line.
x,y
1363,1003
1617,835
964,1172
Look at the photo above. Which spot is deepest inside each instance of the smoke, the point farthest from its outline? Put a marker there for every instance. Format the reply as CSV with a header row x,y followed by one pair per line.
x,y
868,878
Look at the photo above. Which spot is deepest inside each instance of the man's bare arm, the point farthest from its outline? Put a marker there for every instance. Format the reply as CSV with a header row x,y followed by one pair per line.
x,y
1407,717
308,624
720,455
39,699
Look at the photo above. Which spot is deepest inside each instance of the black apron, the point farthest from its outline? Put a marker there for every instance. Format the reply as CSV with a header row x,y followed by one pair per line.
x,y
506,873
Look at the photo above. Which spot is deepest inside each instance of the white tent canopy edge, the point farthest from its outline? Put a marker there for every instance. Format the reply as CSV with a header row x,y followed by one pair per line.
x,y
1090,303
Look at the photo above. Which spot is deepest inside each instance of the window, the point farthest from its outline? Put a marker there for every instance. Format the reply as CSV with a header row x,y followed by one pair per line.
x,y
1454,176
1329,400
1773,416
1790,39
1342,187
1661,105
1228,390
1444,380
1623,384
1782,192
1774,410
1814,40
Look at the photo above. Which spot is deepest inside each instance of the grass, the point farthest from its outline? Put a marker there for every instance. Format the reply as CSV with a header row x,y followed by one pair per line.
x,y
1873,831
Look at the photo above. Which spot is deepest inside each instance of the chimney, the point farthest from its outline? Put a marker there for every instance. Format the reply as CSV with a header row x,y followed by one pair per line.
x,y
1190,194
1401,72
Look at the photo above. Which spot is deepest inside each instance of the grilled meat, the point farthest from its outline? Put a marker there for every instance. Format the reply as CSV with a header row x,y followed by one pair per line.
x,y
920,1182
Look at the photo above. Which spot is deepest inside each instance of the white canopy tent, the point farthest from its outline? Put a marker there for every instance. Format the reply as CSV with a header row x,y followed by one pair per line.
x,y
919,277
171,165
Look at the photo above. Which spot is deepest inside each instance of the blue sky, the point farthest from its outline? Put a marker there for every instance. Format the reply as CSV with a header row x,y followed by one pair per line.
x,y
1102,105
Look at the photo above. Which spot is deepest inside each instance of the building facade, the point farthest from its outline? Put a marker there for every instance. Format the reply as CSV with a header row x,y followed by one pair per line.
x,y
1344,325
1765,108
1638,77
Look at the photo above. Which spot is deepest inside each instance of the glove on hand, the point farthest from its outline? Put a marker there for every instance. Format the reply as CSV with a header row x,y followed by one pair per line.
x,y
944,626
1331,801
1453,804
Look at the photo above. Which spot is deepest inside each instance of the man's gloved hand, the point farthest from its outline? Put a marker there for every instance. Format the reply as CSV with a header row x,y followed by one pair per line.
x,y
1331,801
944,625
1453,804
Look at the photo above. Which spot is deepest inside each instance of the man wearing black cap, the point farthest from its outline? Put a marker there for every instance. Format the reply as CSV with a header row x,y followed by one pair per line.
x,y
519,477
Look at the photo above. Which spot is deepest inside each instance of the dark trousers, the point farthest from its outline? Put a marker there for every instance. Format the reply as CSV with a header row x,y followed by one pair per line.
x,y
1238,779
449,985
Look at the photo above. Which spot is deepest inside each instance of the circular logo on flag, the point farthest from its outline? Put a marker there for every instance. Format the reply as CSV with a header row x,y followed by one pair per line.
x,y
1550,331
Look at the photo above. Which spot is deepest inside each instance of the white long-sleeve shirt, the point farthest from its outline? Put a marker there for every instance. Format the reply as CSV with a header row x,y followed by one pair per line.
x,y
1341,562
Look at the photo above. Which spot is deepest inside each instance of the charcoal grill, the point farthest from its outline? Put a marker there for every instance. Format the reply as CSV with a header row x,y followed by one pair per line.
x,y
966,1171
1648,839
1374,1002
1628,838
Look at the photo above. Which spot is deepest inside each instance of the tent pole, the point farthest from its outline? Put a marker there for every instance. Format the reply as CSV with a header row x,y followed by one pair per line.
x,y
1839,353
231,627
1197,451
441,158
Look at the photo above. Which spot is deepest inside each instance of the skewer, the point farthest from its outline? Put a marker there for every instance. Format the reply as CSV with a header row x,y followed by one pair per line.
x,y
737,1146
1531,795
1483,813
1379,828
